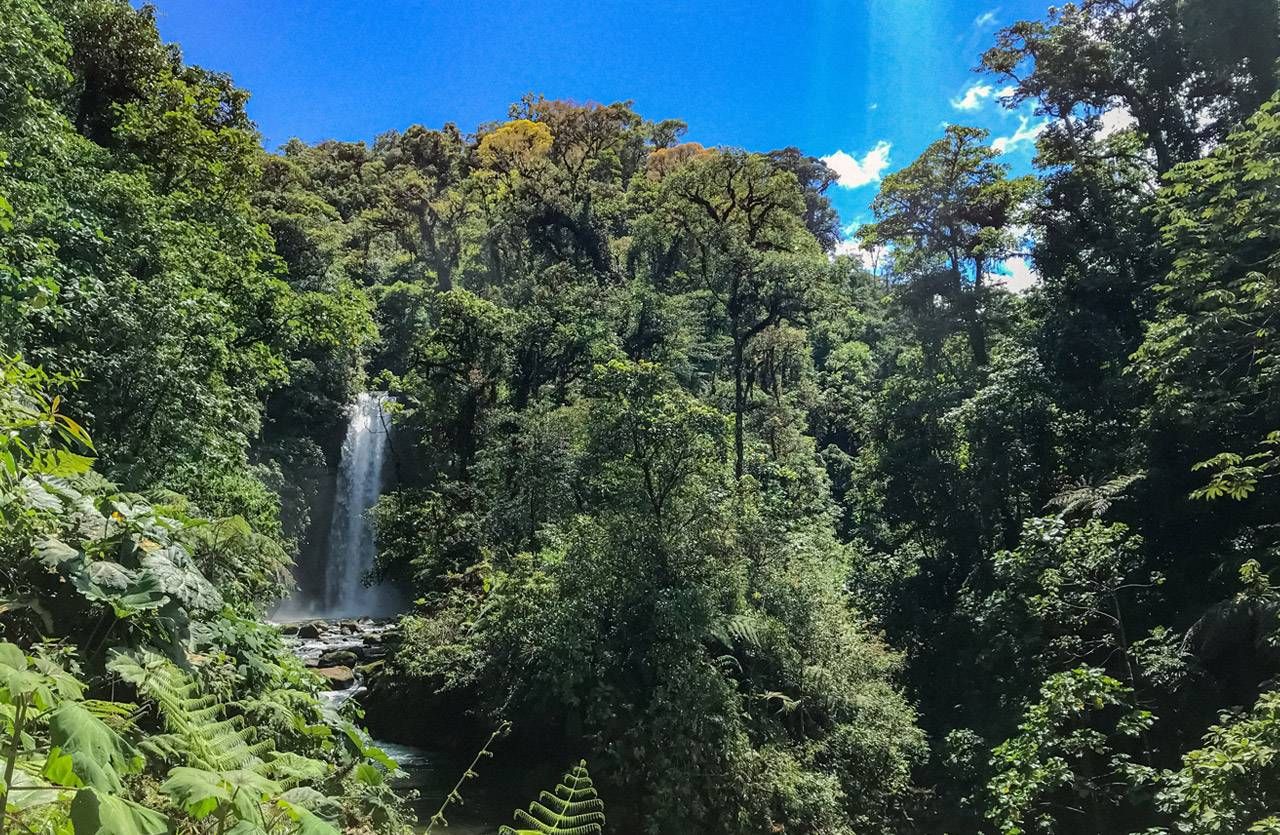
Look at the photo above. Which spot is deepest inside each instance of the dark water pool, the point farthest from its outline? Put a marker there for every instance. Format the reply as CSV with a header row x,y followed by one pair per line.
x,y
487,803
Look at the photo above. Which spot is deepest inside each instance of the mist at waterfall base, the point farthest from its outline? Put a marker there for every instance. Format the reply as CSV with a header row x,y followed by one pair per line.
x,y
341,591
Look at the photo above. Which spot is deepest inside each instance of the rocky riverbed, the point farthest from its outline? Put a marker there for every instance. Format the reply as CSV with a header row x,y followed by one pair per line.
x,y
347,653
344,652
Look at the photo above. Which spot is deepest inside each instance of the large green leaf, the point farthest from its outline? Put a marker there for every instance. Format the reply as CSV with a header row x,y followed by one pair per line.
x,y
61,462
55,552
12,656
59,769
36,678
97,813
289,768
63,684
309,823
109,577
26,683
100,755
111,583
37,497
179,578
365,748
197,791
247,827
32,792
201,792
312,800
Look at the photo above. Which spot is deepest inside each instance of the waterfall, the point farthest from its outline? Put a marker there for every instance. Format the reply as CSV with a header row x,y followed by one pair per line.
x,y
340,591
351,549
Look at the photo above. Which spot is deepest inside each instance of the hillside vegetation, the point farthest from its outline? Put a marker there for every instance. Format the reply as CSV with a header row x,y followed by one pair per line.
x,y
782,533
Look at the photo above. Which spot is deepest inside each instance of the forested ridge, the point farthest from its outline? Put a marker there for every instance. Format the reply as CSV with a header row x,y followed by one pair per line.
x,y
782,533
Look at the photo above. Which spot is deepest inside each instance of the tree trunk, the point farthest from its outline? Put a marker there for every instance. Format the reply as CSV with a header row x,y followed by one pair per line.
x,y
977,328
739,405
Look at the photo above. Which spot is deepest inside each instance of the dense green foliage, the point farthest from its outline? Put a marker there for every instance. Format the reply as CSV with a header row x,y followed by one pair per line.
x,y
781,544
148,700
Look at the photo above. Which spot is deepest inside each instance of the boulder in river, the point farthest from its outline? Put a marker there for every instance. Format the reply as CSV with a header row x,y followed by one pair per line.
x,y
310,631
340,678
338,658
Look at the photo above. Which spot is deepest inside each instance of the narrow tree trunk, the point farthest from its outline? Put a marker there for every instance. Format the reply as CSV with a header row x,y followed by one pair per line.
x,y
977,328
739,406
12,760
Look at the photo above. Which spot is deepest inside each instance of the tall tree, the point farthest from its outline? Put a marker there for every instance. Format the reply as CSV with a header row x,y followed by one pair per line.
x,y
949,217
737,223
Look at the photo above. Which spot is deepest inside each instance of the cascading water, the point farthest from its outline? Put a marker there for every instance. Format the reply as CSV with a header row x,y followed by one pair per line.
x,y
351,548
341,591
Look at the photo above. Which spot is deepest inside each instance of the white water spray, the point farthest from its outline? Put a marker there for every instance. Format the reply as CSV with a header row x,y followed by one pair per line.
x,y
351,549
350,553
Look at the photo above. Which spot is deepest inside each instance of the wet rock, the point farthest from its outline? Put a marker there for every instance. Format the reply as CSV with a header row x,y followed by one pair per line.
x,y
349,627
290,628
310,631
338,658
340,678
370,669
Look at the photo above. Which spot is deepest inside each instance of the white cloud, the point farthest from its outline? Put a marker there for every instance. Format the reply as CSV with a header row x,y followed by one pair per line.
x,y
1113,121
1017,275
1005,93
973,97
1025,135
985,19
856,173
871,258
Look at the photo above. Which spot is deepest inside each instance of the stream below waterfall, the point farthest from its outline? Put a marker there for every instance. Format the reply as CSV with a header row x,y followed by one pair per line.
x,y
343,651
339,624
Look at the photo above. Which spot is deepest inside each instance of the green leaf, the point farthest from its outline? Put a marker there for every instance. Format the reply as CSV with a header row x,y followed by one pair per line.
x,y
59,769
60,462
179,578
37,497
312,800
12,656
34,792
367,749
109,582
290,768
197,791
369,775
100,755
200,792
55,552
309,823
97,813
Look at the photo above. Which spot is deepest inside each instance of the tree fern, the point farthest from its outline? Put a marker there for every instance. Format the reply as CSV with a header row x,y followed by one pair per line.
x,y
573,809
1085,499
198,731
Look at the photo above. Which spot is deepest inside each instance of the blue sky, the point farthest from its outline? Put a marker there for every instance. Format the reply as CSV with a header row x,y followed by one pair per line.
x,y
865,83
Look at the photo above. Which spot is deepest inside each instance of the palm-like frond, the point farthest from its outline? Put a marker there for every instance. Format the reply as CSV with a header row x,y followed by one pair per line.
x,y
573,809
1086,499
199,732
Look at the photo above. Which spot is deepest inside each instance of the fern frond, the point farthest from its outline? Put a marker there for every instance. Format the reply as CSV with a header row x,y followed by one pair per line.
x,y
199,733
1086,499
573,808
748,629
